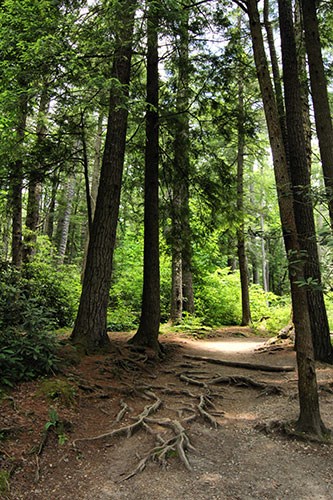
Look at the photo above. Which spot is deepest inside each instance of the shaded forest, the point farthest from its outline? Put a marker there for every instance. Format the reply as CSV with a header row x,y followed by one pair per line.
x,y
165,166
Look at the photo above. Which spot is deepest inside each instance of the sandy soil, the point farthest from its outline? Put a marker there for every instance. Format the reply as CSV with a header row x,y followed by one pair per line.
x,y
229,460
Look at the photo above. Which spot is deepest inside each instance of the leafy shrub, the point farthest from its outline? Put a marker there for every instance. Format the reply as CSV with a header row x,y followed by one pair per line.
x,y
269,312
219,303
126,288
25,356
40,294
122,319
218,299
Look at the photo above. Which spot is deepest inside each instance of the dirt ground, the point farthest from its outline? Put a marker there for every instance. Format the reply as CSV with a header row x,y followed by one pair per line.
x,y
195,433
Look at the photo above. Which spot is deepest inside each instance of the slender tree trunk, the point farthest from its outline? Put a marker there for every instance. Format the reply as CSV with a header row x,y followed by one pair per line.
x,y
242,258
147,334
65,223
303,76
309,418
16,183
182,162
264,263
176,312
35,183
90,329
49,219
94,182
320,97
277,80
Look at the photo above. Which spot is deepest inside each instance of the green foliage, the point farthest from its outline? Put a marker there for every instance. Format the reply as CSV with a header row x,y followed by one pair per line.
x,y
41,297
57,425
126,289
218,298
329,309
219,303
269,312
25,356
58,390
4,481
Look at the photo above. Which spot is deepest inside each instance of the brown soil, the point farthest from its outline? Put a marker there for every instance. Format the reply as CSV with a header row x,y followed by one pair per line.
x,y
232,460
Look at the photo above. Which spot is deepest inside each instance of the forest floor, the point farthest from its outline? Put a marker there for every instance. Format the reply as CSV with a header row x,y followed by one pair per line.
x,y
195,428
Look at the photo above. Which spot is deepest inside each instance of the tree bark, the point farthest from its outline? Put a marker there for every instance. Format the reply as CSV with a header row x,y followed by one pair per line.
x,y
65,223
49,219
241,250
300,177
319,97
16,182
176,311
90,329
286,207
35,183
147,334
309,419
182,164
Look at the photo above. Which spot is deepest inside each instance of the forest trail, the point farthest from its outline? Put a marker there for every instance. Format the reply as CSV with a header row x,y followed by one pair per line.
x,y
199,419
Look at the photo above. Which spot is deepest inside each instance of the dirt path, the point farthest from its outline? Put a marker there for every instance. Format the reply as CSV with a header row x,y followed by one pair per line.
x,y
233,460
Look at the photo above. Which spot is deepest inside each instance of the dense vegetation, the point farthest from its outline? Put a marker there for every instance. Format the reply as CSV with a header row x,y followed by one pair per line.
x,y
74,100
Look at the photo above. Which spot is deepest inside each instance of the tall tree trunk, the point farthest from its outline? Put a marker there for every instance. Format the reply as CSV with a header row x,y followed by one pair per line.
x,y
176,312
303,76
97,162
182,161
35,183
90,329
320,97
277,80
94,182
318,316
241,250
16,182
147,334
49,219
65,223
309,418
264,263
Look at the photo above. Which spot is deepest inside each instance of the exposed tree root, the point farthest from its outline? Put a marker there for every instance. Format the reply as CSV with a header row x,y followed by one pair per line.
x,y
239,364
241,381
288,429
179,443
128,430
124,409
202,407
328,387
192,381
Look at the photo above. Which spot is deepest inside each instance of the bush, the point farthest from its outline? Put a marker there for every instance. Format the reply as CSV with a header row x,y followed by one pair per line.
x,y
127,279
25,356
218,299
41,293
269,312
219,303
